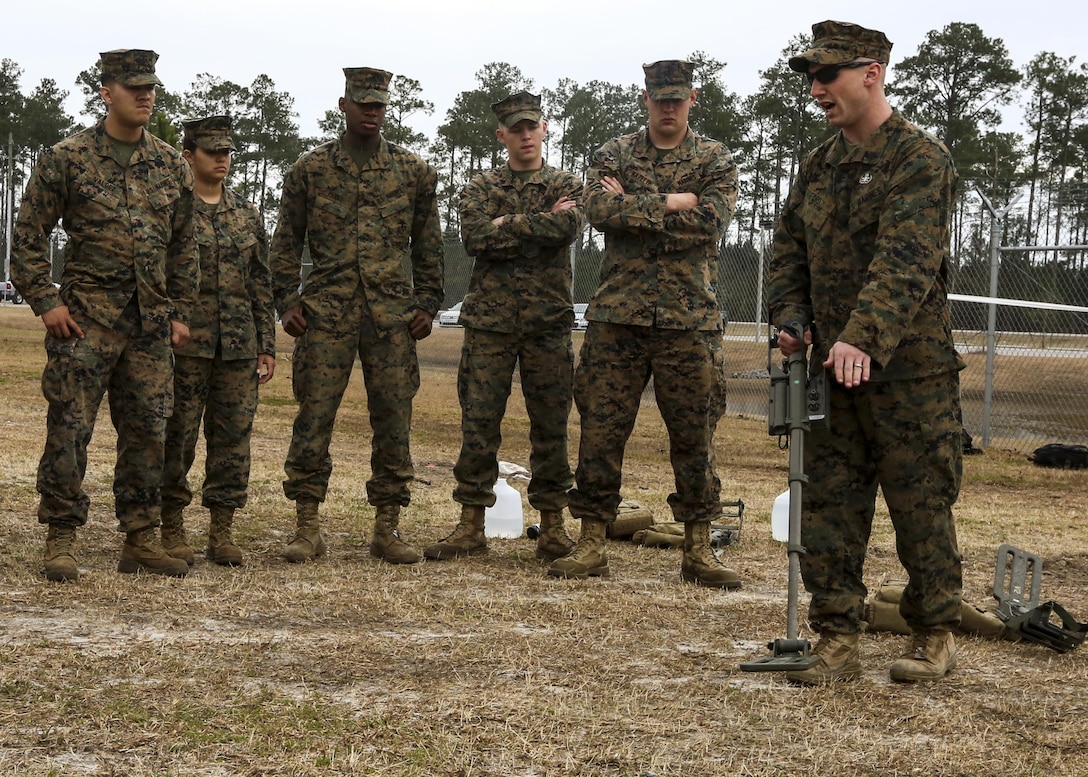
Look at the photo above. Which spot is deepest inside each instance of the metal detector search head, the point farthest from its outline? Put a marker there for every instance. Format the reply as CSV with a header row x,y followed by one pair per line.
x,y
787,655
1017,583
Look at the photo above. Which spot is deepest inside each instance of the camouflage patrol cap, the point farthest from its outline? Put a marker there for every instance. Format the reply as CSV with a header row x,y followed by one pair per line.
x,y
668,79
211,133
367,84
129,67
834,43
517,107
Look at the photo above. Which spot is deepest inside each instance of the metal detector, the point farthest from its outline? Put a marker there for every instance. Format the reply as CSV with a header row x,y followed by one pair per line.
x,y
797,400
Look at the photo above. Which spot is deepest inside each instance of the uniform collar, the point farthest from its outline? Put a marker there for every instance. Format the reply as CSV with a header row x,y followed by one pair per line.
x,y
869,152
685,150
103,148
342,159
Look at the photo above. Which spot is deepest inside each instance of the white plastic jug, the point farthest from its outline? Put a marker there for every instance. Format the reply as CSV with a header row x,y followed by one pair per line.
x,y
503,520
780,517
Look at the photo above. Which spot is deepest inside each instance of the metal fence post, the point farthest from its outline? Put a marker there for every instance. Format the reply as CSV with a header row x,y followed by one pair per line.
x,y
991,313
766,225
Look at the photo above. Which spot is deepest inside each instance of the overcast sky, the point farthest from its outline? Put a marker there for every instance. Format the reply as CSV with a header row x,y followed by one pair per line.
x,y
303,44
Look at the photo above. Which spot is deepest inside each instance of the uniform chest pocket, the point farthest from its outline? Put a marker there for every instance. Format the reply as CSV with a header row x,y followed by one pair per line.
x,y
817,209
396,215
688,180
100,193
205,238
330,206
163,193
328,215
640,179
867,205
244,242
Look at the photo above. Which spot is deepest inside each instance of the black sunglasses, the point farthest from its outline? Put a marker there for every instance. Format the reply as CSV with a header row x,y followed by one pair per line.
x,y
829,73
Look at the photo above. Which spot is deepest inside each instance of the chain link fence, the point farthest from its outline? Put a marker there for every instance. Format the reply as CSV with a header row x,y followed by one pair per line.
x,y
1026,381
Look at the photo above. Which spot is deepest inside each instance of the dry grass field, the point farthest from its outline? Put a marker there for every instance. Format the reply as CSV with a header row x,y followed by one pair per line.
x,y
487,666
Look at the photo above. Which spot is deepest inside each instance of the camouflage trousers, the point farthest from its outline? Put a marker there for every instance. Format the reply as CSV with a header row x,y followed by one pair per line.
x,y
224,395
545,361
135,367
322,364
614,367
903,436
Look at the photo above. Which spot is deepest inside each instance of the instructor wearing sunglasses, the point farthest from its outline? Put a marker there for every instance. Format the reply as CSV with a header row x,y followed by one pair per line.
x,y
861,257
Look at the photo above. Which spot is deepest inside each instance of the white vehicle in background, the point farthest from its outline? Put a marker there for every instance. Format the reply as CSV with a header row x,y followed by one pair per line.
x,y
450,317
8,293
580,323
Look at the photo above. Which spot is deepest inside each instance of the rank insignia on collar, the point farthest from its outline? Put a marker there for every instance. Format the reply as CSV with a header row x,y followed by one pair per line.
x,y
865,178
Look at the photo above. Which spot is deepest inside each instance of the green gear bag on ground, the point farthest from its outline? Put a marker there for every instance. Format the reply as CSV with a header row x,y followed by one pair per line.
x,y
660,535
632,517
882,614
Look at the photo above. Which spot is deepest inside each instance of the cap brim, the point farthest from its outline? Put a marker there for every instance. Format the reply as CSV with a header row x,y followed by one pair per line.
x,y
669,93
369,96
801,62
216,145
514,118
140,79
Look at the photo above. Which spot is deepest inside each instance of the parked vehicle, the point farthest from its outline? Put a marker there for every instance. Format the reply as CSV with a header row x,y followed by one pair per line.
x,y
450,317
580,323
8,293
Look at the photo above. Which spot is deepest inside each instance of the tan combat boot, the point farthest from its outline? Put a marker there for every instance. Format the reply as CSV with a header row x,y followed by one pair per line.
x,y
701,565
307,543
553,541
931,657
466,539
142,552
838,660
221,547
60,559
386,543
589,557
173,535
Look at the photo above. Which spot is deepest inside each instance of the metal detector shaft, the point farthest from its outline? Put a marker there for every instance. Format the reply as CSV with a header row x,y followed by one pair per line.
x,y
797,421
790,405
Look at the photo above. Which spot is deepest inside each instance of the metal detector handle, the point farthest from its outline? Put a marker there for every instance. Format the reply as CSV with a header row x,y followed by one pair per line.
x,y
795,329
786,408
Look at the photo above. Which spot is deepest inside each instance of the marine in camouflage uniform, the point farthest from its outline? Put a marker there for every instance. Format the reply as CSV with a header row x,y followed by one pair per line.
x,y
663,198
862,254
130,275
232,348
366,209
518,221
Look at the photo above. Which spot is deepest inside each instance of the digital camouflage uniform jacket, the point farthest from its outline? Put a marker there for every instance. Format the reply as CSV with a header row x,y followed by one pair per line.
x,y
660,270
362,227
233,312
130,231
862,250
521,279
